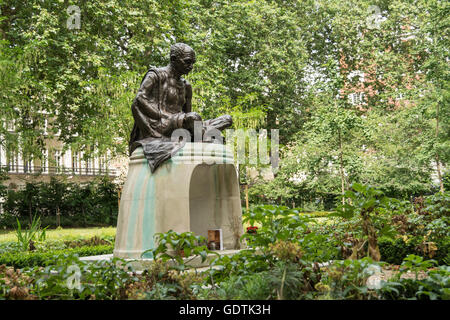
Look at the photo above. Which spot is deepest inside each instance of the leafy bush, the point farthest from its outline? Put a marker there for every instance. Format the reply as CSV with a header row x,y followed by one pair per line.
x,y
26,238
10,246
364,207
174,246
30,259
61,203
68,278
434,283
285,224
277,223
438,205
71,278
394,251
283,280
163,282
249,287
347,279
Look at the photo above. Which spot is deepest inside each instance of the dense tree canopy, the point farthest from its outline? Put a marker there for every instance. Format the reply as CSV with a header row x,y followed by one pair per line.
x,y
289,65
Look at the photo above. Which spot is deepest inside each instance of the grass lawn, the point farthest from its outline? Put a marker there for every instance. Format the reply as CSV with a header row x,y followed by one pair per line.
x,y
65,234
76,233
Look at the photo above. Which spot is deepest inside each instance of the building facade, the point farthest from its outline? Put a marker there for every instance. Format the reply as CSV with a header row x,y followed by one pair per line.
x,y
54,161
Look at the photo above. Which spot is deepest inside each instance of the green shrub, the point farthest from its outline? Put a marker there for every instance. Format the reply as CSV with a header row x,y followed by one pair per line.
x,y
438,205
254,287
433,284
91,204
347,279
394,251
31,259
284,280
27,237
277,223
316,214
162,282
172,245
102,280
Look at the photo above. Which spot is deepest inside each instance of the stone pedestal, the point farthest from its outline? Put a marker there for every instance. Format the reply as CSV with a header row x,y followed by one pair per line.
x,y
196,190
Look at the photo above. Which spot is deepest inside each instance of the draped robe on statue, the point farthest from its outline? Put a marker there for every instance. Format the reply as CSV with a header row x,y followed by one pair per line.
x,y
153,134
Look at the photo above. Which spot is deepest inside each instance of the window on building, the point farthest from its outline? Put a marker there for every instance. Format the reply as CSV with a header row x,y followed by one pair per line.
x,y
10,126
44,161
12,161
58,161
88,164
45,126
75,162
2,155
102,163
27,165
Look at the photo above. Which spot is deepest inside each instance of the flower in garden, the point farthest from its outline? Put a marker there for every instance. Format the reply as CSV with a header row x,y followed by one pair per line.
x,y
252,229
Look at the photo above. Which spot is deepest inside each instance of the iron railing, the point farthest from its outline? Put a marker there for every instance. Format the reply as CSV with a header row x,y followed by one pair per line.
x,y
21,169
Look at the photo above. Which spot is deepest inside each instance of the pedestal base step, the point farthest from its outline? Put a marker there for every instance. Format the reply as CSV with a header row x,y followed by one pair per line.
x,y
142,264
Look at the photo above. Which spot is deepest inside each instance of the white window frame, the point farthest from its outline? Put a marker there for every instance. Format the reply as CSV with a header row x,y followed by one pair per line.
x,y
58,160
44,162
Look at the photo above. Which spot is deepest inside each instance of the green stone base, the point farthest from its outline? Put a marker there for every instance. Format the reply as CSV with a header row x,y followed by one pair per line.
x,y
196,190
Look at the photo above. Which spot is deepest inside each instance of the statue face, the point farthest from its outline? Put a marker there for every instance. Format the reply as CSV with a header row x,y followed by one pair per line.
x,y
185,62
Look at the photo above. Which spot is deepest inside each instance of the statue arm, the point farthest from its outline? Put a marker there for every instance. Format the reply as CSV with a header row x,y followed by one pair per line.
x,y
146,106
188,105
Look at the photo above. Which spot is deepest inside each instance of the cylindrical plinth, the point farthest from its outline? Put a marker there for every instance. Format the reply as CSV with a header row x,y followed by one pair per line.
x,y
196,190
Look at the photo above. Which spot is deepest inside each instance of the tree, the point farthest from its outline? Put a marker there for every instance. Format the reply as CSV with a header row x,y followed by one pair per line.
x,y
386,139
52,71
55,193
270,64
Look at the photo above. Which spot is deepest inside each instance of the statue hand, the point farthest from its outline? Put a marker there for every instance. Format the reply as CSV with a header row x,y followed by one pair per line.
x,y
190,118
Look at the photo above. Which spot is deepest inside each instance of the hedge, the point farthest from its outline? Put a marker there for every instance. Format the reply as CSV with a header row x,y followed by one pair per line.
x,y
9,222
316,214
88,204
394,251
41,259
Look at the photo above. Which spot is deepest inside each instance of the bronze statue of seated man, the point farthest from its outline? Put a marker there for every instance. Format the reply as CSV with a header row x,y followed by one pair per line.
x,y
163,104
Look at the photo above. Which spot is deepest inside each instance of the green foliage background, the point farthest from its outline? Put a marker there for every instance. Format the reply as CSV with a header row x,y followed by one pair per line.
x,y
270,64
92,204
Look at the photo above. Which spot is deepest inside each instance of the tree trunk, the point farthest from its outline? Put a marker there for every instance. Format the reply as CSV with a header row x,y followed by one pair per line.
x,y
58,217
373,250
438,169
341,168
438,165
84,216
246,197
30,213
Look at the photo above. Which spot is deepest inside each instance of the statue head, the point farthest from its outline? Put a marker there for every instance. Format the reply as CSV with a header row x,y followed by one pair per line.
x,y
182,58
